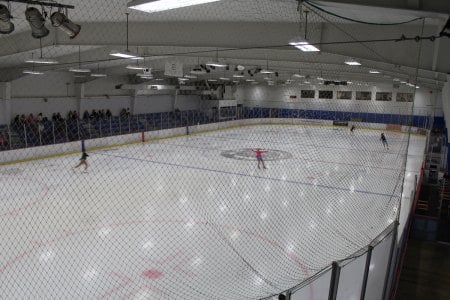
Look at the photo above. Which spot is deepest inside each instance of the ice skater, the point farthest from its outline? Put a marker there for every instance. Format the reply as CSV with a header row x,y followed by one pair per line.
x,y
259,158
352,128
83,161
384,141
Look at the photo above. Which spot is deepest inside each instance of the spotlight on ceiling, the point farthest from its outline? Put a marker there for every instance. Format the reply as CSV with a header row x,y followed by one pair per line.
x,y
6,26
37,23
152,6
61,21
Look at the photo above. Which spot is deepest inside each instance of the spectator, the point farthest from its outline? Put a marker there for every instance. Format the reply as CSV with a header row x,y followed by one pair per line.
x,y
108,114
86,115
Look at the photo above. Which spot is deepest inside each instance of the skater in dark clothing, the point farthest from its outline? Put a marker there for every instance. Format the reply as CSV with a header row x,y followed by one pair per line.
x,y
83,161
384,141
352,128
259,154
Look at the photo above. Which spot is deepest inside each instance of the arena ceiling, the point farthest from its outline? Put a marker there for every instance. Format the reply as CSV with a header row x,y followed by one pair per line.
x,y
249,33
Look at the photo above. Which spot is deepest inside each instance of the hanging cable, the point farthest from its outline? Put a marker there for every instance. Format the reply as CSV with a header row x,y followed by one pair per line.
x,y
359,21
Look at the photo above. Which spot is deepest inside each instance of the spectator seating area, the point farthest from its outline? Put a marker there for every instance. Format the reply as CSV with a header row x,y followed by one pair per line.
x,y
58,130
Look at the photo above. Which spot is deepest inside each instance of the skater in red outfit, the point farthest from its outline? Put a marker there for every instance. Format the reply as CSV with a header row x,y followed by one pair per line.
x,y
259,154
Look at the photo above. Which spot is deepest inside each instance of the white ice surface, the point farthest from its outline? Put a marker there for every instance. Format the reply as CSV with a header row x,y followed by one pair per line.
x,y
174,219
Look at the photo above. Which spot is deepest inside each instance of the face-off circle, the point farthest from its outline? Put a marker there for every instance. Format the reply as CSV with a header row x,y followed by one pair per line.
x,y
248,154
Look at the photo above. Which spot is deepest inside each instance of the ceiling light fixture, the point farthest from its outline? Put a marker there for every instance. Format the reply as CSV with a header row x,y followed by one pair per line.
x,y
374,72
238,76
212,80
136,67
79,69
190,76
298,76
302,43
6,26
216,63
60,20
266,70
98,74
125,54
32,72
152,6
224,78
37,23
352,63
41,60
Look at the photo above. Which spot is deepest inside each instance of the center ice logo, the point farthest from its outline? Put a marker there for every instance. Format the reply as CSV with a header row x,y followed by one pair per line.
x,y
248,154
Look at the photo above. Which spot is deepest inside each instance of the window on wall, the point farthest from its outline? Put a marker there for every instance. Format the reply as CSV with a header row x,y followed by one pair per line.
x,y
344,95
382,96
363,95
325,94
405,97
309,94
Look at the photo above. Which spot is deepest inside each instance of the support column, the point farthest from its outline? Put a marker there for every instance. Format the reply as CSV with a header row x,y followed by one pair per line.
x,y
5,103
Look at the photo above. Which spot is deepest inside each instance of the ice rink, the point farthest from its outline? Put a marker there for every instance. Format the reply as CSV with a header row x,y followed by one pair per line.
x,y
194,218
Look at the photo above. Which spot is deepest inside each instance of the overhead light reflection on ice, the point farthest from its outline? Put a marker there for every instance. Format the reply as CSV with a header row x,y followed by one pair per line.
x,y
234,235
103,232
148,245
258,281
189,224
47,255
223,207
90,274
263,215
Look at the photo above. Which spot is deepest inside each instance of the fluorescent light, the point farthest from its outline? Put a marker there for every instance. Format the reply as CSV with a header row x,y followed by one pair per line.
x,y
216,64
212,80
125,54
79,70
136,67
374,72
396,79
190,76
267,78
238,76
298,76
236,81
264,71
352,63
152,6
417,87
303,45
144,75
224,78
349,82
250,80
319,78
30,72
306,82
183,79
41,61
98,75
254,82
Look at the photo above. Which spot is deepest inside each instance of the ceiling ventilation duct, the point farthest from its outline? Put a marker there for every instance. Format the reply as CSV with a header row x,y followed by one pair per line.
x,y
6,26
37,23
60,21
